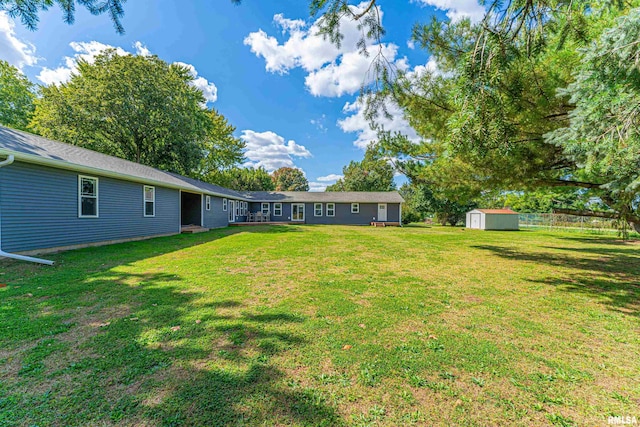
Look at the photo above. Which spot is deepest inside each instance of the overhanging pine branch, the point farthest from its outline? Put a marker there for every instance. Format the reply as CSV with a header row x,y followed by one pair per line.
x,y
566,183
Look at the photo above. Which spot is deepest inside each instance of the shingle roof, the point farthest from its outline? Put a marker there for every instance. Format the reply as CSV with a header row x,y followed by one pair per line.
x,y
330,196
35,149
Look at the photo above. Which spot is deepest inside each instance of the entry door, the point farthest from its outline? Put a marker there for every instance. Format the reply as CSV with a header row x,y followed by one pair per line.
x,y
297,212
475,220
232,211
382,211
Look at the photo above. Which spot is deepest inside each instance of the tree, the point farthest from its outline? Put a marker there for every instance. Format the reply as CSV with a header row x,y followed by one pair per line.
x,y
16,97
371,174
603,133
222,150
495,106
410,210
138,108
248,179
28,10
289,179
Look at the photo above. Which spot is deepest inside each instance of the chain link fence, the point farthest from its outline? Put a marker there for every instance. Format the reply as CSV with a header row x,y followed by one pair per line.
x,y
567,222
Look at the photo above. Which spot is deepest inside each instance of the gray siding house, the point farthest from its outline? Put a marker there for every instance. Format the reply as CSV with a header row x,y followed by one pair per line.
x,y
56,196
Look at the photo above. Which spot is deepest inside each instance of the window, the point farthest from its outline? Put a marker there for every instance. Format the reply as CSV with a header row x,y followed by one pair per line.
x,y
331,209
317,209
355,208
237,208
87,197
149,201
207,202
246,208
265,208
224,205
277,209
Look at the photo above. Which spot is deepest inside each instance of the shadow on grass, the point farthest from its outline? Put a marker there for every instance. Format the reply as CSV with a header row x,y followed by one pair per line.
x,y
609,273
102,346
77,263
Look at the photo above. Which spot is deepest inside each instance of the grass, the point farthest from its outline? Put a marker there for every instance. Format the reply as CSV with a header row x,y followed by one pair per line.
x,y
319,325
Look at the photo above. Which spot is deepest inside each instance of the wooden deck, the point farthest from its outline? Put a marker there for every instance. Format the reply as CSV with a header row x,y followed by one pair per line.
x,y
192,229
385,224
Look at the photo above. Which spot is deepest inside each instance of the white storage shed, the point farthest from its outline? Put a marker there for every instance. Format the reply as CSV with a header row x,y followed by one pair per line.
x,y
492,219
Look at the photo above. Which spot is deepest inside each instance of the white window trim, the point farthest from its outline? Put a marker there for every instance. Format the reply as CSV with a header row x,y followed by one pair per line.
x,y
277,207
145,201
333,209
357,208
80,196
224,205
207,202
262,205
315,209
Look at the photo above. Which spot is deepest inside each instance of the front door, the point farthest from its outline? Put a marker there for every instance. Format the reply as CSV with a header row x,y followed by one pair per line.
x,y
297,212
232,211
382,211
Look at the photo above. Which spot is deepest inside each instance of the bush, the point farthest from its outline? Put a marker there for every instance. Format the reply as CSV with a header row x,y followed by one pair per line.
x,y
409,216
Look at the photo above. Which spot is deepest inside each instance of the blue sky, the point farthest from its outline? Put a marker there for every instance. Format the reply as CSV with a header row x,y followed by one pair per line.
x,y
291,95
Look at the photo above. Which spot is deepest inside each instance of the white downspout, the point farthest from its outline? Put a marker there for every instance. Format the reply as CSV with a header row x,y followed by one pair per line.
x,y
7,162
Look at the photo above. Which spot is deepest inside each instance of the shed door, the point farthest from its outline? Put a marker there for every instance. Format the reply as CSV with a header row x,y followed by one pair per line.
x,y
475,220
382,211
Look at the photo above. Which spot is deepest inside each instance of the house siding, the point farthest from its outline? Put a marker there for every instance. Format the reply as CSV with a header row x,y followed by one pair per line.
x,y
216,217
368,213
39,209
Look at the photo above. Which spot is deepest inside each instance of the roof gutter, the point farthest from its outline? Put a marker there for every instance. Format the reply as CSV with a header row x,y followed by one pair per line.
x,y
10,159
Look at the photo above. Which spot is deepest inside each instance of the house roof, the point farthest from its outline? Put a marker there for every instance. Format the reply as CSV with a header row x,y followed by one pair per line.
x,y
497,211
34,149
329,196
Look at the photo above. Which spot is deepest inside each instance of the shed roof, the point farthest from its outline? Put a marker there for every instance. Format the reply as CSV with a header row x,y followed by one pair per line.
x,y
35,149
498,211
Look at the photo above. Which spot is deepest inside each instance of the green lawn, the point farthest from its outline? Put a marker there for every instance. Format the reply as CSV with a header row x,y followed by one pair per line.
x,y
325,325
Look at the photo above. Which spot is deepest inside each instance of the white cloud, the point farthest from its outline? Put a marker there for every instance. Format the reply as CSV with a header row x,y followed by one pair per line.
x,y
322,182
458,9
13,50
358,124
270,150
346,76
288,24
411,44
88,51
419,70
331,71
329,178
317,186
209,89
141,49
